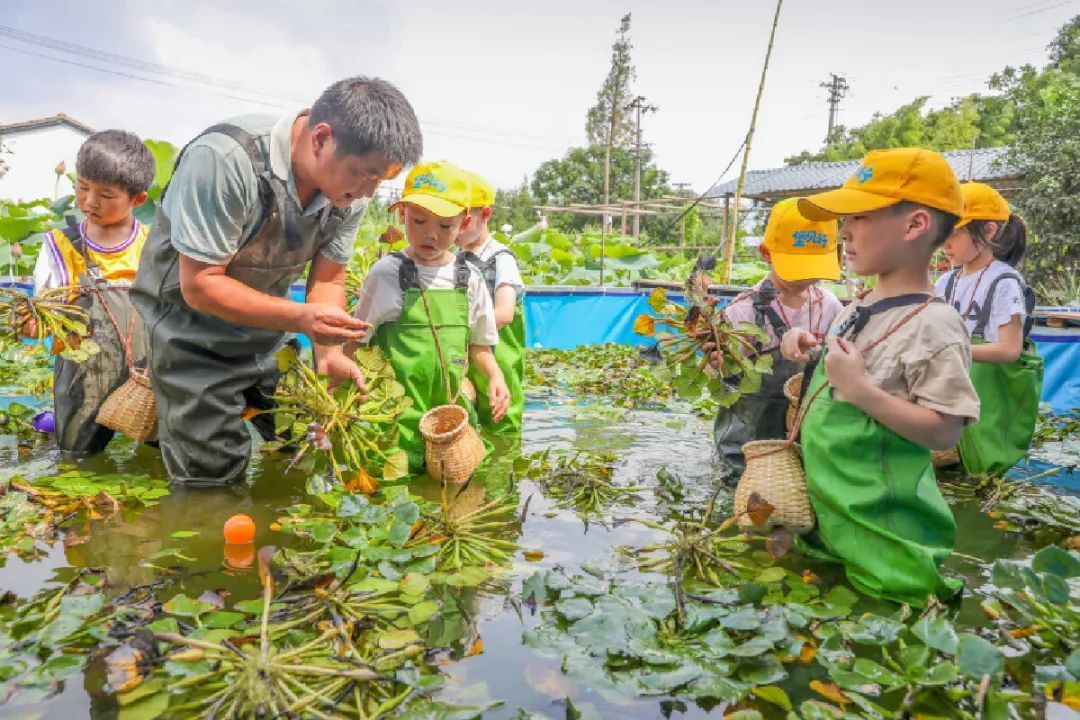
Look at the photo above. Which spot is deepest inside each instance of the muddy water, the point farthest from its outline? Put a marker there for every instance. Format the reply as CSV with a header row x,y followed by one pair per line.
x,y
507,670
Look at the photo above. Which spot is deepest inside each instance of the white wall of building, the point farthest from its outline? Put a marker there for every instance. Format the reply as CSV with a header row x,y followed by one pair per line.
x,y
32,156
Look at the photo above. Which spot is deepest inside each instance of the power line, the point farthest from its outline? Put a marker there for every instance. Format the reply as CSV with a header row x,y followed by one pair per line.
x,y
1042,10
269,98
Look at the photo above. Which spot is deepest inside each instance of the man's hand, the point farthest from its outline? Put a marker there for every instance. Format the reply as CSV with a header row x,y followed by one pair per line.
x,y
327,324
339,367
498,397
796,345
846,369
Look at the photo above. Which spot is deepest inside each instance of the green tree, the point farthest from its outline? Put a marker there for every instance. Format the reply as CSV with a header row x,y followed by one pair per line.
x,y
575,178
608,122
514,206
1047,148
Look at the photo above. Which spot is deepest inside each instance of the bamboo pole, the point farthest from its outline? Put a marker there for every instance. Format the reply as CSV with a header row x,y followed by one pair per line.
x,y
732,237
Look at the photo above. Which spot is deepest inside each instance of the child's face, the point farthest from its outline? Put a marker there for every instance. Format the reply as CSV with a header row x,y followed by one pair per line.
x,y
961,248
429,235
105,203
475,229
881,241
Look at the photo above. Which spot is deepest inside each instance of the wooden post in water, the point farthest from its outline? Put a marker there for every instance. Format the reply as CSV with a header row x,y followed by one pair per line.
x,y
732,236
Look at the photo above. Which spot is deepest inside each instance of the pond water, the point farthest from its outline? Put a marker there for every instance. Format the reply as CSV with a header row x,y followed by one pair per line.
x,y
507,669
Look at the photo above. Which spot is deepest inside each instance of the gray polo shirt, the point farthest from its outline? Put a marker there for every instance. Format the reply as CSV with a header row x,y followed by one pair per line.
x,y
213,198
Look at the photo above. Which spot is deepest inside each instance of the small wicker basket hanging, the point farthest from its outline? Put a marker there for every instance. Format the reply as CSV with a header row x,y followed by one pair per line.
x,y
453,449
792,388
775,472
131,409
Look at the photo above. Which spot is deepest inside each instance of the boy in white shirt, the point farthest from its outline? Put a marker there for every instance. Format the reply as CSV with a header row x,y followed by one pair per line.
x,y
499,267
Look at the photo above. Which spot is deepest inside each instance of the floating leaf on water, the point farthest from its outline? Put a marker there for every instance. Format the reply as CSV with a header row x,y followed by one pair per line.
x,y
397,639
533,555
774,695
977,657
937,632
1056,561
363,483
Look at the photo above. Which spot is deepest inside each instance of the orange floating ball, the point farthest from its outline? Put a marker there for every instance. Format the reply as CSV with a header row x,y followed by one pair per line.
x,y
240,557
239,530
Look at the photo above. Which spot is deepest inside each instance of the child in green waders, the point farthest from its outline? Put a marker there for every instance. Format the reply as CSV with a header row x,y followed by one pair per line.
x,y
498,265
800,252
97,258
996,306
891,385
401,288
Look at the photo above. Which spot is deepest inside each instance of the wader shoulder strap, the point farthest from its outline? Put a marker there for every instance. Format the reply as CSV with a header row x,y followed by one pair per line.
x,y
950,285
273,195
408,276
462,270
75,237
487,268
857,321
984,312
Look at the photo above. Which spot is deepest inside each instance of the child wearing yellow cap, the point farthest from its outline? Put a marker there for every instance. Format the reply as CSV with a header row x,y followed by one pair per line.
x,y
891,385
431,312
800,252
498,264
996,306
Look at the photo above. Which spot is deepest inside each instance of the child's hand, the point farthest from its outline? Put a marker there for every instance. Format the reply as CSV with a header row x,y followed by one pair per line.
x,y
498,397
845,367
796,345
340,367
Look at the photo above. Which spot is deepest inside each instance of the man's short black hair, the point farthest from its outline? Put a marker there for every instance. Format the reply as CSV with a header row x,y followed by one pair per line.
x,y
943,223
368,114
116,157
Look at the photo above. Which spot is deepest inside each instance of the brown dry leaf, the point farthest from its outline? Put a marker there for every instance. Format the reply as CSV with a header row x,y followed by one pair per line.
x,y
390,235
779,542
362,483
534,555
758,510
437,539
807,654
249,412
1021,633
830,690
1074,542
809,577
477,648
58,346
107,501
265,556
989,610
73,540
275,526
645,325
416,528
73,341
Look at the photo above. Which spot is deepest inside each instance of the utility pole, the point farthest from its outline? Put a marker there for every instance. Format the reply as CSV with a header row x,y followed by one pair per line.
x,y
837,87
639,106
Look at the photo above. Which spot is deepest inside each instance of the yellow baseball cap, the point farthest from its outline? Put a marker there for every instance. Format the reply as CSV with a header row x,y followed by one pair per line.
x,y
483,194
887,177
982,202
440,187
801,249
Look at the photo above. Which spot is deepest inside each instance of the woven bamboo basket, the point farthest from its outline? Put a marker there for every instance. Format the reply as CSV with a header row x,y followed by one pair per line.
x,y
452,447
792,388
774,471
131,409
945,458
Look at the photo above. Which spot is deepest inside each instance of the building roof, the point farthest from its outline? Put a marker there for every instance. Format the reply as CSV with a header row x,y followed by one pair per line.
x,y
987,165
58,119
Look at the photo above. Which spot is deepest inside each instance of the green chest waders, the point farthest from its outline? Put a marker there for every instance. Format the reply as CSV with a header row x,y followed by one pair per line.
x,y
879,509
79,389
509,356
762,415
409,345
1008,395
205,370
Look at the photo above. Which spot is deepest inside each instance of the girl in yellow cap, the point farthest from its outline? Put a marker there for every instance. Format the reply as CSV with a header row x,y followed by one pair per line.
x,y
996,305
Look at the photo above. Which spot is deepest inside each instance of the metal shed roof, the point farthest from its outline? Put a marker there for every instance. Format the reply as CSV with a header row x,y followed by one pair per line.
x,y
988,165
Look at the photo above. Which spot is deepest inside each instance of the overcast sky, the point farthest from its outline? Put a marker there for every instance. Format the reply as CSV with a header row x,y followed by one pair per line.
x,y
501,88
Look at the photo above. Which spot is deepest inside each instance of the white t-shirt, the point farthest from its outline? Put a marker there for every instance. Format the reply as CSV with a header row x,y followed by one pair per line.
x,y
381,298
1008,300
506,267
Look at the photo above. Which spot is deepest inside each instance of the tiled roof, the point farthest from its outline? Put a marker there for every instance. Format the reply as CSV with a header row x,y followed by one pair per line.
x,y
981,165
58,119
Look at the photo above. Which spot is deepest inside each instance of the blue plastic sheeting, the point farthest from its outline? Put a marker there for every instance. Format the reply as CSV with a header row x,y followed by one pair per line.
x,y
1060,351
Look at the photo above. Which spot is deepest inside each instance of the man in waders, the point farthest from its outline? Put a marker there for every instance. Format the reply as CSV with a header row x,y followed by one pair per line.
x,y
252,203
499,266
800,252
